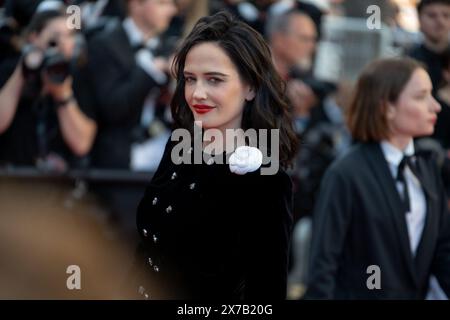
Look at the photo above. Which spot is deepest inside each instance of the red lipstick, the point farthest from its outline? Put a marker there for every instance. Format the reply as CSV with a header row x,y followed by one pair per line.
x,y
202,108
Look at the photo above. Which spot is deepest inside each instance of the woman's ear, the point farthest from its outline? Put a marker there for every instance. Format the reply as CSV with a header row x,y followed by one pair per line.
x,y
250,94
390,111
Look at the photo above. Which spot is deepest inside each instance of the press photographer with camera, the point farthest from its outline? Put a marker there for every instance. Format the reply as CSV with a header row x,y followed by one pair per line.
x,y
45,115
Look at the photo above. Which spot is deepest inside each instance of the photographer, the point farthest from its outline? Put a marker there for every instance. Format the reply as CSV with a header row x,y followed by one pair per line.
x,y
44,117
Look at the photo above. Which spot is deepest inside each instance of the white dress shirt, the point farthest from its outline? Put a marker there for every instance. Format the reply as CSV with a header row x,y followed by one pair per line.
x,y
415,218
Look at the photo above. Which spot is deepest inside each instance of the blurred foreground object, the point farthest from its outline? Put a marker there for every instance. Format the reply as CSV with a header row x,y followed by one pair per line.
x,y
46,226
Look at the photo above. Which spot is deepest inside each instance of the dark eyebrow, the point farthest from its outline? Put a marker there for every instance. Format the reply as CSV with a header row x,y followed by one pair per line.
x,y
216,74
208,74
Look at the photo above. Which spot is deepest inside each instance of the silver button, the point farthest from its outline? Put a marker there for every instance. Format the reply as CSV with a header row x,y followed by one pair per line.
x,y
169,209
150,261
155,238
174,176
144,232
192,186
156,268
155,201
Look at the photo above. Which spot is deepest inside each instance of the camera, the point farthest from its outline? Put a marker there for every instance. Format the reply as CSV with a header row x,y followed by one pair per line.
x,y
51,61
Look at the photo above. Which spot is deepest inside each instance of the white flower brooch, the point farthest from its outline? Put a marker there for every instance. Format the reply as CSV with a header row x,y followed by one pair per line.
x,y
245,159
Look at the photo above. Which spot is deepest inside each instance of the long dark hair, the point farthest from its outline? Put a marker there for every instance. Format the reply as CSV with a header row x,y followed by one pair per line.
x,y
252,58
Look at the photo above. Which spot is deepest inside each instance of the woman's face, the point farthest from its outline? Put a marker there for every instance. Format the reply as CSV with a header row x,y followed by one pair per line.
x,y
214,89
415,112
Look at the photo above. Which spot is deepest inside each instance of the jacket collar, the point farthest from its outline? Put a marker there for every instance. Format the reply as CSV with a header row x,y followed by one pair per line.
x,y
394,155
379,165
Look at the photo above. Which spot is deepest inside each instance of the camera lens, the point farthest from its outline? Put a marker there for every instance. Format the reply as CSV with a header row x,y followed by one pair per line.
x,y
58,72
56,66
33,58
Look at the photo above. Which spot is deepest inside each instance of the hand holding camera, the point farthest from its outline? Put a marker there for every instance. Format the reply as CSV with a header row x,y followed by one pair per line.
x,y
50,69
61,92
51,60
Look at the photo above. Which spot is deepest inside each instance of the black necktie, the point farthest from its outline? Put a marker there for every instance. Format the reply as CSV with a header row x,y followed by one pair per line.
x,y
408,161
401,178
138,46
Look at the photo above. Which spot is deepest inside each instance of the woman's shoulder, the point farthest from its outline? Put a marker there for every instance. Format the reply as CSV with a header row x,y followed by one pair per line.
x,y
168,162
353,160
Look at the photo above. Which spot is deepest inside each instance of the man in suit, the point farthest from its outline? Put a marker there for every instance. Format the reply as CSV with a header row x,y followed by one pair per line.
x,y
126,76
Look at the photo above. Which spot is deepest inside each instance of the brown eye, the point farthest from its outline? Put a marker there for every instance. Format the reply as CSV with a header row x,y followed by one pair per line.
x,y
215,80
189,79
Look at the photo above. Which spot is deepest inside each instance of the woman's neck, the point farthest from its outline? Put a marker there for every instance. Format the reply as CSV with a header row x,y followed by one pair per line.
x,y
228,140
400,142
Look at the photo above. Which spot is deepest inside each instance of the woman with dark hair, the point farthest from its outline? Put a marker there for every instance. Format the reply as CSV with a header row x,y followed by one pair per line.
x,y
381,226
220,228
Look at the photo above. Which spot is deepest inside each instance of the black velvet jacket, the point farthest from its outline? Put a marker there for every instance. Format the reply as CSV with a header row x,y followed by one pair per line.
x,y
208,233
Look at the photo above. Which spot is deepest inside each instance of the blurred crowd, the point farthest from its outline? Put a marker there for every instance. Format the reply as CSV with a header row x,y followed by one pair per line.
x,y
92,91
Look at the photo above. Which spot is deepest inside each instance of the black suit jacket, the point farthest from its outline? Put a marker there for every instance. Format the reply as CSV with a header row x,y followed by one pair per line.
x,y
359,222
120,87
